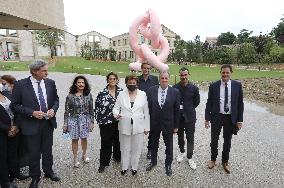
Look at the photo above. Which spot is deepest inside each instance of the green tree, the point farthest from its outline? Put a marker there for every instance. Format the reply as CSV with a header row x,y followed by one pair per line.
x,y
244,36
226,38
278,31
49,39
180,47
197,51
247,53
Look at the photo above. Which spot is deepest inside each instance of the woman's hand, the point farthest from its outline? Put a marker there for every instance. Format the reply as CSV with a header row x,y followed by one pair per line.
x,y
118,117
91,127
65,128
13,131
146,132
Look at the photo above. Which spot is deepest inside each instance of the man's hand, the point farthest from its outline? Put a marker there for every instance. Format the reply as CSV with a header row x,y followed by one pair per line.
x,y
13,131
207,124
38,114
175,130
50,113
239,125
64,128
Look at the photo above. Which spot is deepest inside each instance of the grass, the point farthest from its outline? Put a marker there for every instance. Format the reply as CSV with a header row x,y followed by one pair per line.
x,y
81,66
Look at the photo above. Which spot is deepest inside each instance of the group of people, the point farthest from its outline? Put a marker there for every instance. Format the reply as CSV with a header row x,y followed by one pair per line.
x,y
148,106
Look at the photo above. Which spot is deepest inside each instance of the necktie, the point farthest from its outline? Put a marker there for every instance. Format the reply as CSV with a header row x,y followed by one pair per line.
x,y
162,98
226,106
41,98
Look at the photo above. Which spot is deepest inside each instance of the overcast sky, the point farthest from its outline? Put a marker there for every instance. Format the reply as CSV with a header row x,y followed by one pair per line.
x,y
187,18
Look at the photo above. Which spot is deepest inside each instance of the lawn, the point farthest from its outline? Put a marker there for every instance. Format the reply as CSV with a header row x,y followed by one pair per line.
x,y
82,66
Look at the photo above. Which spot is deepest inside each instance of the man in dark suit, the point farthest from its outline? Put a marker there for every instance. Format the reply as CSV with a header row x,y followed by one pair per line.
x,y
224,108
145,81
35,99
163,102
190,99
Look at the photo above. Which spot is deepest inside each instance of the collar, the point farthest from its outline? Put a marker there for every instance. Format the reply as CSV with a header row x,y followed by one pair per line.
x,y
223,83
35,80
160,88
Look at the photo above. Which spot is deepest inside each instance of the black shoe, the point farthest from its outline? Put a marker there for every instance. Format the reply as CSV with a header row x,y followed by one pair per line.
x,y
52,177
149,154
134,172
150,166
9,185
117,160
169,171
34,183
123,172
22,177
101,169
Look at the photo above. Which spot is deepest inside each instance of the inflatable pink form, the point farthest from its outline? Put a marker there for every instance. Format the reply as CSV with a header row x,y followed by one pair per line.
x,y
152,32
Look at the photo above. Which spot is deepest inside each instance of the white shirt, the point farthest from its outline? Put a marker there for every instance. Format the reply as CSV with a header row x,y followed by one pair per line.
x,y
160,94
222,97
42,85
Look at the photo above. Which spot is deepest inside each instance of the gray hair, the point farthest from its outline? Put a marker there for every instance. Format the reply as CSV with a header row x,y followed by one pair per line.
x,y
36,65
164,72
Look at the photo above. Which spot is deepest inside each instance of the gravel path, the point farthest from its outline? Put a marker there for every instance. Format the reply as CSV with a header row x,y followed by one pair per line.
x,y
257,153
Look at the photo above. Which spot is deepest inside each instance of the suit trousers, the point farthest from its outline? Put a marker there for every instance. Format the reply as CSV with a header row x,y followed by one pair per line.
x,y
149,141
131,148
220,121
8,158
39,145
109,143
168,140
189,129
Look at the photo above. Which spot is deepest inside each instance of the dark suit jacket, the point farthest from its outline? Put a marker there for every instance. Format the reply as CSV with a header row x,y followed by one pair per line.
x,y
167,118
24,102
144,86
5,120
190,102
213,102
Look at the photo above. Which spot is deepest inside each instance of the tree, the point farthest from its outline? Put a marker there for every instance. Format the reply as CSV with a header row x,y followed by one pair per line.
x,y
180,46
247,53
244,36
278,32
226,38
49,39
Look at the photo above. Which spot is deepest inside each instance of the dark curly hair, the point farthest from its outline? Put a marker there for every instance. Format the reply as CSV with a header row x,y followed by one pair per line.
x,y
73,88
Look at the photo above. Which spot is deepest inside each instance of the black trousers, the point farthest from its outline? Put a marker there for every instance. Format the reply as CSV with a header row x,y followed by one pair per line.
x,y
168,140
40,145
109,143
189,129
220,121
8,158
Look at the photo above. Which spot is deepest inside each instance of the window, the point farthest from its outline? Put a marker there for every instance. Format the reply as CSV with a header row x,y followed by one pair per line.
x,y
149,42
118,43
97,39
125,41
113,43
3,32
125,54
91,38
12,32
142,40
131,55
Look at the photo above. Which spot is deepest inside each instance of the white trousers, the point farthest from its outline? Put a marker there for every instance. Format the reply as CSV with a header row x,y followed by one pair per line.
x,y
131,147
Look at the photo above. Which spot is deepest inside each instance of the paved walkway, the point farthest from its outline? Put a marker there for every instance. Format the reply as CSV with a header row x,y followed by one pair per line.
x,y
257,153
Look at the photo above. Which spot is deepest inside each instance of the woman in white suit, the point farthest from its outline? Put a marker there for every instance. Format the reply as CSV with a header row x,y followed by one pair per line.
x,y
131,109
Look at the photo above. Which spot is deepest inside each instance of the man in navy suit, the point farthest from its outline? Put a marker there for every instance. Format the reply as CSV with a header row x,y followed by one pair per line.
x,y
145,81
224,108
163,102
190,99
35,99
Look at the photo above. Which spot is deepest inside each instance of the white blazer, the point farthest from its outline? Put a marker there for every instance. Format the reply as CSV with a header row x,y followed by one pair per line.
x,y
139,113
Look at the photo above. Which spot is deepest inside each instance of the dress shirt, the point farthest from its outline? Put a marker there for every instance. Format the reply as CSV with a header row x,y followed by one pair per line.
x,y
160,94
42,85
222,97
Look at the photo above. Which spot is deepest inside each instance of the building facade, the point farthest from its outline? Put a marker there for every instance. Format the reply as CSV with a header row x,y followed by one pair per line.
x,y
22,44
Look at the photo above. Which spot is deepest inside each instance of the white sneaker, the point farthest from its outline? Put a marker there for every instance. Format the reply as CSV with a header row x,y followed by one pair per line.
x,y
180,157
192,164
76,164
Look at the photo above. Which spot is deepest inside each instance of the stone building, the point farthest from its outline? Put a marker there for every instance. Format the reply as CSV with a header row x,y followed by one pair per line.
x,y
22,44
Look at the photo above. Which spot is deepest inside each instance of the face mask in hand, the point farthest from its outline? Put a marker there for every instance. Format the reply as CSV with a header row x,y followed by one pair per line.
x,y
131,87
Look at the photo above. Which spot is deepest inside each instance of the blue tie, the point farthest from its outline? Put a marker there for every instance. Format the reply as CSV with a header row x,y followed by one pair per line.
x,y
162,98
226,106
41,99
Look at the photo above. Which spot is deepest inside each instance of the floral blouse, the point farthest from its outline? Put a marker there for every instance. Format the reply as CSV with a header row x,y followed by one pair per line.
x,y
77,105
104,105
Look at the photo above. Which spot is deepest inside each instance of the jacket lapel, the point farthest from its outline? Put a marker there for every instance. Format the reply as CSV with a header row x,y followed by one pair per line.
x,y
48,90
31,88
